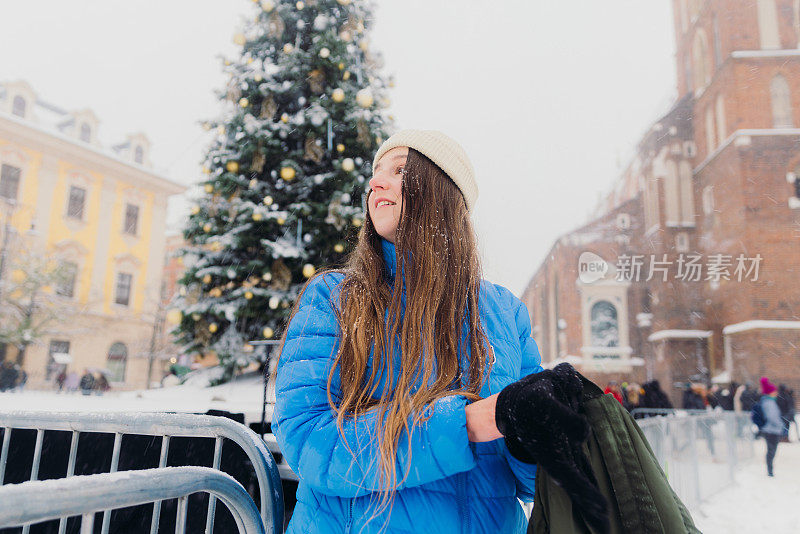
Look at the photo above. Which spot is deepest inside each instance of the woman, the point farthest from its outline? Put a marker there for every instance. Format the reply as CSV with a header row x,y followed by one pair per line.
x,y
406,443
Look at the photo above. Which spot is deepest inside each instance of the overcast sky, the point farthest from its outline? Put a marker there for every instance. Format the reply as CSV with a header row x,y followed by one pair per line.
x,y
548,97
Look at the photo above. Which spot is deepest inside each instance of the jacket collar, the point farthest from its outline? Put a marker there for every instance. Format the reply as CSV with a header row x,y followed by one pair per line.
x,y
389,256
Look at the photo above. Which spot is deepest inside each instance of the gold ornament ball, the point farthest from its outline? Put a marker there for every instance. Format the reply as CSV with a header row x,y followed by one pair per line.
x,y
308,270
346,75
288,173
364,45
213,327
268,200
195,316
208,188
267,5
348,165
215,293
221,130
247,347
287,48
207,279
257,216
324,53
280,220
253,183
285,118
341,66
364,98
216,246
340,147
346,36
344,2
207,227
195,210
356,221
258,77
268,333
244,102
338,94
274,302
300,5
174,316
379,139
239,39
338,247
248,295
227,62
284,304
267,276
232,166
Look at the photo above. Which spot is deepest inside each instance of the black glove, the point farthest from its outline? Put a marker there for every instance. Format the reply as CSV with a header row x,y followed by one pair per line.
x,y
539,417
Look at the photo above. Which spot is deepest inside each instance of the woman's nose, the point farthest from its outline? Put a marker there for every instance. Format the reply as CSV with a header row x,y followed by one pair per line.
x,y
377,183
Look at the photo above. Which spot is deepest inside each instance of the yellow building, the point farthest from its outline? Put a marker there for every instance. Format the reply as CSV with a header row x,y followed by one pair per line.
x,y
101,212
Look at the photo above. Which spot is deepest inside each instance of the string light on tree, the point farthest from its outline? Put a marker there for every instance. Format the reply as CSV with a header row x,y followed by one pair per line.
x,y
338,95
268,332
348,165
232,166
308,270
288,173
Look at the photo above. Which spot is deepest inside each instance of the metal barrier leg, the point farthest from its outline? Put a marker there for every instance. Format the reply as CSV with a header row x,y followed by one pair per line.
x,y
73,453
4,453
212,502
695,463
180,519
114,466
37,458
162,462
87,523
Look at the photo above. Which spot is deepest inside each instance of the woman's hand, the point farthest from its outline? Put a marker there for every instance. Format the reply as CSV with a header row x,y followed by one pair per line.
x,y
480,420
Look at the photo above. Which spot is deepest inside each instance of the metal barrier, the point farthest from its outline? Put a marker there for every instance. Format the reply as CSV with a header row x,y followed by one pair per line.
x,y
154,424
45,500
699,453
639,413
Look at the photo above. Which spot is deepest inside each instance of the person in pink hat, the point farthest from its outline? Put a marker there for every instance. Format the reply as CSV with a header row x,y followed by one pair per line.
x,y
767,416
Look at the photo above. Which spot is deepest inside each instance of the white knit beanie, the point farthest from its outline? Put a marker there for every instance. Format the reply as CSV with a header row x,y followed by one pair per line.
x,y
443,151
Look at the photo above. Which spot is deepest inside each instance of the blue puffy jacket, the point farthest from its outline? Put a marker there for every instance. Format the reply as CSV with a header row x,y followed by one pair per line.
x,y
453,486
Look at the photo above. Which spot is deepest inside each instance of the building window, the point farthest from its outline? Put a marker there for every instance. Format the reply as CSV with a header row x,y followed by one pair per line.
x,y
701,60
117,361
708,200
651,212
57,358
781,102
768,25
123,292
131,219
86,133
682,242
717,46
66,282
9,181
138,155
686,192
19,106
720,112
604,327
710,138
77,199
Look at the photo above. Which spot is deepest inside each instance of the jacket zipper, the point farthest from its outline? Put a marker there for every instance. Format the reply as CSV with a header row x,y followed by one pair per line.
x,y
462,504
349,522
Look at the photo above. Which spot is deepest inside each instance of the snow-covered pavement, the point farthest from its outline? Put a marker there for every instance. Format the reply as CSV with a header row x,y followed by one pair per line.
x,y
757,503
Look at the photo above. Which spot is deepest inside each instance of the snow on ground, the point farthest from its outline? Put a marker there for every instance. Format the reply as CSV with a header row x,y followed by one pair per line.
x,y
242,395
757,503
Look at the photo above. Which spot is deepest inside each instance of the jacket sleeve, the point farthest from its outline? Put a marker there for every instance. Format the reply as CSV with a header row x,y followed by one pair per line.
x,y
524,473
346,464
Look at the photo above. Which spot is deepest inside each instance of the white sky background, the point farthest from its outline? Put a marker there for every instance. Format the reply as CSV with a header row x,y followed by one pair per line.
x,y
548,97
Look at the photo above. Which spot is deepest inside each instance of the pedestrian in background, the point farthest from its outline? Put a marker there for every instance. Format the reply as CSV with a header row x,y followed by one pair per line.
x,y
613,389
785,402
767,416
87,382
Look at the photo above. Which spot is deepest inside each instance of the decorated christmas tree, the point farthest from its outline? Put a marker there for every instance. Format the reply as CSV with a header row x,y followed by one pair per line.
x,y
284,178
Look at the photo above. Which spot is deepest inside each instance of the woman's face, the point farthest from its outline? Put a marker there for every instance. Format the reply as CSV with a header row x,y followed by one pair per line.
x,y
385,201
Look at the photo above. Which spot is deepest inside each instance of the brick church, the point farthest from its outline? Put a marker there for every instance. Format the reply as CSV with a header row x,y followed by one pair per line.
x,y
690,268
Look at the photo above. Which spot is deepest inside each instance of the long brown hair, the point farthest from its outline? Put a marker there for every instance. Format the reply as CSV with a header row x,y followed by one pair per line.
x,y
438,269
